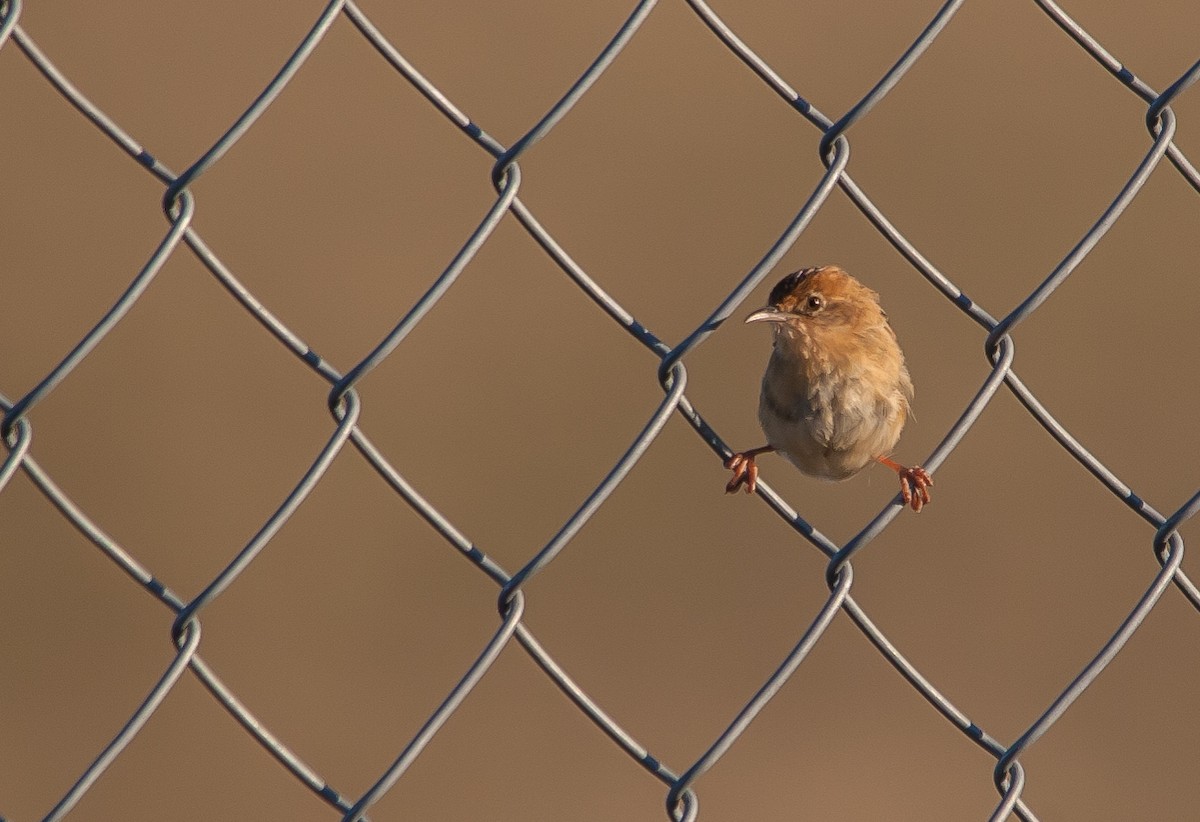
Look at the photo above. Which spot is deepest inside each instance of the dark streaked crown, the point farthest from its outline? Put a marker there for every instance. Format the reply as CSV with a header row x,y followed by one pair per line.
x,y
789,284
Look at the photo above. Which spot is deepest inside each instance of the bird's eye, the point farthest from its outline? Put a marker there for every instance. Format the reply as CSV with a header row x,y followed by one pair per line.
x,y
814,302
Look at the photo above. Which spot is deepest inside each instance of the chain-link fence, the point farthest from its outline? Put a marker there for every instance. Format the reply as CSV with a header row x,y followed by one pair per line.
x,y
680,774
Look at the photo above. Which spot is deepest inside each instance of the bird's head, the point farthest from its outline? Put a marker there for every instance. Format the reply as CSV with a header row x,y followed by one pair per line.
x,y
820,304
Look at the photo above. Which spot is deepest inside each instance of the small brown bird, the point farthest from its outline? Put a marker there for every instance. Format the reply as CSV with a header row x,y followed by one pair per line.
x,y
836,392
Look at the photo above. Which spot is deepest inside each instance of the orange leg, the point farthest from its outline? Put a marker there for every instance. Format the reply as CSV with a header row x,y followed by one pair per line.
x,y
745,471
914,483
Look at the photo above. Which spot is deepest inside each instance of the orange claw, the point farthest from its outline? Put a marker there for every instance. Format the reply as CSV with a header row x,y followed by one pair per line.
x,y
745,470
914,483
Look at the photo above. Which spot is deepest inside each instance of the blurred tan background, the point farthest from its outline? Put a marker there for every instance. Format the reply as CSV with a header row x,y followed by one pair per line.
x,y
185,429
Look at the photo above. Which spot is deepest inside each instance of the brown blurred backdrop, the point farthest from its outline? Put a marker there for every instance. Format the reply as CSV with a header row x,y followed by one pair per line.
x,y
184,430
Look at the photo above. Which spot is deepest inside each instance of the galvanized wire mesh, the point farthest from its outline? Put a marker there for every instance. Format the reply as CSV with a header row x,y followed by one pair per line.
x,y
681,781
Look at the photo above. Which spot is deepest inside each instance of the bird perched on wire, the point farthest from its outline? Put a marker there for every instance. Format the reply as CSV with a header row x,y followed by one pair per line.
x,y
836,392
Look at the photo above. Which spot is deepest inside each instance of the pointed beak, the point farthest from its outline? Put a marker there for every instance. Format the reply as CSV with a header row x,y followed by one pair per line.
x,y
770,314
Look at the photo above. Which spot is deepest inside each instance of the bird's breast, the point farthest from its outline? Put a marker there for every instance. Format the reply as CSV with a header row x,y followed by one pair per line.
x,y
830,420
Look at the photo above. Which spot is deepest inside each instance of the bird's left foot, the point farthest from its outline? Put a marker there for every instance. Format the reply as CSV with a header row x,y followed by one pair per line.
x,y
914,483
914,487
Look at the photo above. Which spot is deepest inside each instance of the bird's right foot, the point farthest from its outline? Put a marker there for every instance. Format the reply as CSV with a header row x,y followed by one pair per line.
x,y
745,470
